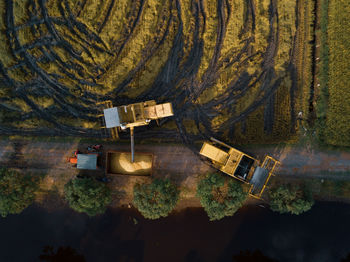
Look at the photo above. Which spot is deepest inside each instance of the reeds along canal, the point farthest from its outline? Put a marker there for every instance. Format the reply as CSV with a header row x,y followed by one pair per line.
x,y
321,234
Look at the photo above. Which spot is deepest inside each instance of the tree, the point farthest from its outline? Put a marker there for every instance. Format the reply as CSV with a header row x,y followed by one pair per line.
x,y
87,195
156,199
290,199
17,191
220,197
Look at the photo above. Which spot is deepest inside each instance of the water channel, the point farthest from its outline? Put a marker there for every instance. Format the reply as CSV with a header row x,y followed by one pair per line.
x,y
322,234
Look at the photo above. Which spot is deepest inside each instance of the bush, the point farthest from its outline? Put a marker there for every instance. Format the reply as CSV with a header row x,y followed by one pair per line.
x,y
157,199
220,198
288,199
87,195
16,191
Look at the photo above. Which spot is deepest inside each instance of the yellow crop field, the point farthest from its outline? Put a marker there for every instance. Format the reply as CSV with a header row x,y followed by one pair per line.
x,y
337,130
238,69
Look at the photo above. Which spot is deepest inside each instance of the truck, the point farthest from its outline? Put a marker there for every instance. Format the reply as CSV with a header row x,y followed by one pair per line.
x,y
240,166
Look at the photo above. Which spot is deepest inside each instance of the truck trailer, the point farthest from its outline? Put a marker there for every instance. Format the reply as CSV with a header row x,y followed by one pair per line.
x,y
119,163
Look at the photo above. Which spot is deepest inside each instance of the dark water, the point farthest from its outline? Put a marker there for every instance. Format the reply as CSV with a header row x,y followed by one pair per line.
x,y
323,234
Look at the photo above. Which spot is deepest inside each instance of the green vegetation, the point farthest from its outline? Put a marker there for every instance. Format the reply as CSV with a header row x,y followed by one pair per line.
x,y
322,90
156,199
304,40
290,199
337,131
87,195
220,196
17,191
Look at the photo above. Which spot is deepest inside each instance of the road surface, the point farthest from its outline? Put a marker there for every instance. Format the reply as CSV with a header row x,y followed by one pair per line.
x,y
173,161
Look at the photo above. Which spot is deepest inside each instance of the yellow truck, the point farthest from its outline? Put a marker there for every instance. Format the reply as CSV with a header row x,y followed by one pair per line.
x,y
240,165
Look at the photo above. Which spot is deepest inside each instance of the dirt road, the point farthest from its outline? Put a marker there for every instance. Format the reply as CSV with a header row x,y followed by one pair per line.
x,y
171,159
44,156
174,161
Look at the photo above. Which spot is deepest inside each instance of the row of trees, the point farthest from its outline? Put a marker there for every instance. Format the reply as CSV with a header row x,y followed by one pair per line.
x,y
17,191
219,195
86,195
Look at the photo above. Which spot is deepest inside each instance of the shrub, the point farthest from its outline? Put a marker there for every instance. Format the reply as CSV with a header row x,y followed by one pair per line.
x,y
16,191
290,199
87,195
220,197
156,199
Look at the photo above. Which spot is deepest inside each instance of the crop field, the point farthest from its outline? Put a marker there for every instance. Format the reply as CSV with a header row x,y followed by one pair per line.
x,y
238,70
337,112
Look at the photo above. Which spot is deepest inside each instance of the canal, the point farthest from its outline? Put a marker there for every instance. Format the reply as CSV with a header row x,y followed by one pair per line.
x,y
322,234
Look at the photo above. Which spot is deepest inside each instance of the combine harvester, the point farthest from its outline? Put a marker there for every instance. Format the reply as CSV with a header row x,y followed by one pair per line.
x,y
130,116
240,165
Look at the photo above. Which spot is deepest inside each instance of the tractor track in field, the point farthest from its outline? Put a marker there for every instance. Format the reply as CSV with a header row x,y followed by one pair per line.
x,y
150,50
176,81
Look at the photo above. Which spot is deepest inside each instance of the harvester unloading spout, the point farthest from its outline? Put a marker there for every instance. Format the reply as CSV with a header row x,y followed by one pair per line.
x,y
132,144
133,115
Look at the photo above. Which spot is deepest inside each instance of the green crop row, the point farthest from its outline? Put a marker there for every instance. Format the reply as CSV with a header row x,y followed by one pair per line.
x,y
337,122
322,99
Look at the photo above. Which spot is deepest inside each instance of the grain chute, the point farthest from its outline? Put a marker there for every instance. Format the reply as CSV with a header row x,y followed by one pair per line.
x,y
133,115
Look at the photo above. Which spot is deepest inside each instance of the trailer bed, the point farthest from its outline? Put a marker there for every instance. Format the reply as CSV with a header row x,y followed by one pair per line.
x,y
119,163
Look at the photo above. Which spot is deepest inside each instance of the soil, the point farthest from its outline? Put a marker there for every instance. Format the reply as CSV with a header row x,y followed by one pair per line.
x,y
176,162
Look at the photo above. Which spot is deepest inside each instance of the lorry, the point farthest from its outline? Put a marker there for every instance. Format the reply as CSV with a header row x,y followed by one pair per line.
x,y
240,166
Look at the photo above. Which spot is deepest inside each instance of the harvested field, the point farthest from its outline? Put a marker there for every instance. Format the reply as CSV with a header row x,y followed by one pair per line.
x,y
237,70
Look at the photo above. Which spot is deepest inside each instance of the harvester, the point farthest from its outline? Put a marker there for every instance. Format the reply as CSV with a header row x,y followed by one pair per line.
x,y
240,165
133,115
